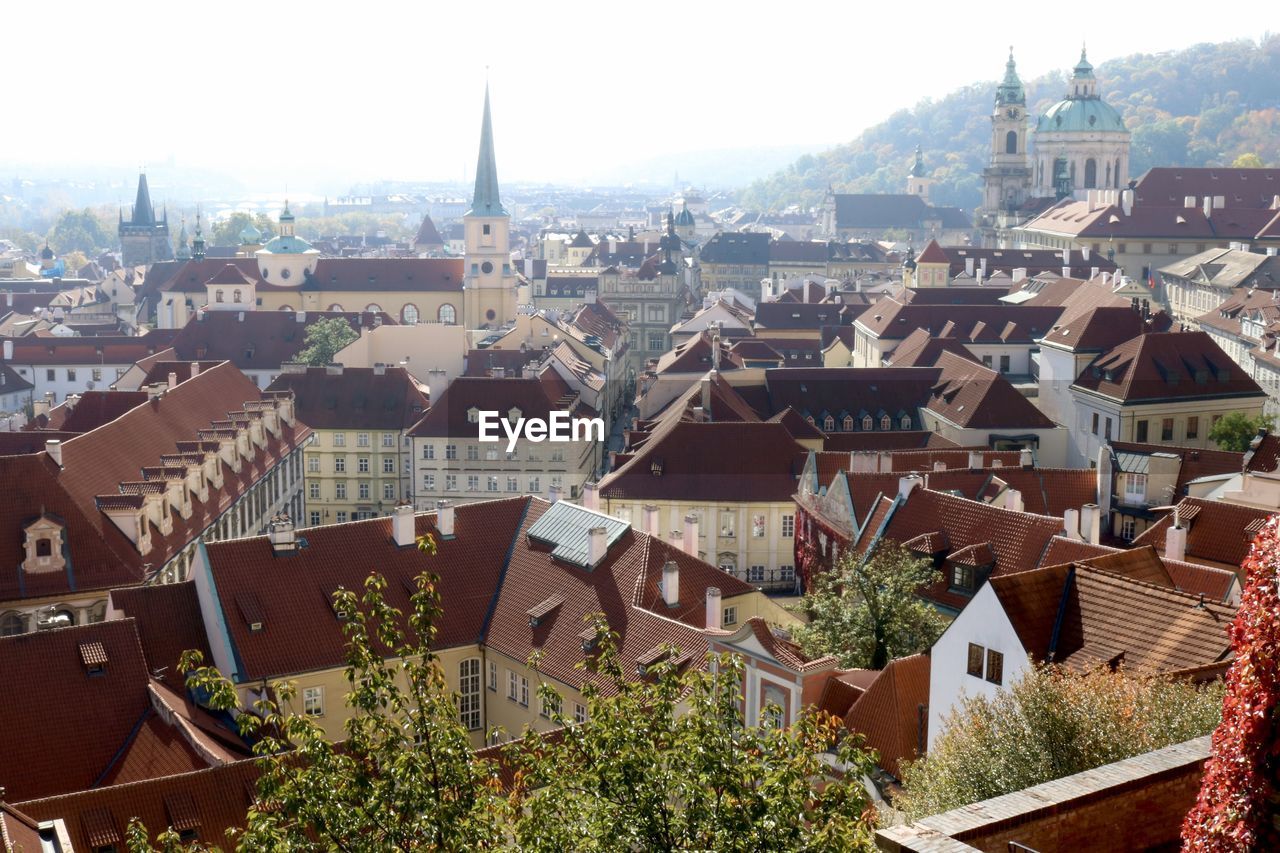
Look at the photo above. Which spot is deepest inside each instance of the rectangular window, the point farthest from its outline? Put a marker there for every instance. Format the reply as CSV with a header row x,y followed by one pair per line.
x,y
729,616
1141,432
339,439
1135,488
995,666
342,516
450,482
1107,426
986,361
524,692
755,574
533,485
428,451
473,482
1127,529
340,490
513,484
388,464
962,577
492,483
1166,429
388,439
362,464
1005,364
313,491
339,464
493,675
491,454
1096,418
71,374
313,701
1173,248
97,374
429,482
727,518
788,526
550,706
313,464
473,453
976,654
655,342
451,451
557,454
315,518
364,491
362,439
51,375
1193,427
579,712
757,526
513,685
388,491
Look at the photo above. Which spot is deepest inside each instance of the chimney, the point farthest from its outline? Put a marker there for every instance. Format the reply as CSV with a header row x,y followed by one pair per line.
x,y
1066,272
333,369
528,267
195,369
1126,202
907,484
1019,273
444,519
402,526
1175,539
1084,252
1219,202
671,583
939,465
54,448
597,545
1093,273
8,350
1090,524
1025,458
591,495
691,535
173,380
590,297
975,460
1207,207
651,520
1013,500
437,381
553,493
968,266
1189,201
1071,523
497,372
613,245
300,316
284,539
714,608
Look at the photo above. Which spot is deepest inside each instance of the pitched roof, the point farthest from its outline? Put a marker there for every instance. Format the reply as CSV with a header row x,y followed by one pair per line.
x,y
169,622
1217,532
1167,366
1170,185
1143,563
1034,261
535,398
331,274
1107,618
888,714
89,350
797,315
257,340
1096,330
893,211
427,234
976,397
733,247
68,727
932,254
922,349
890,319
385,398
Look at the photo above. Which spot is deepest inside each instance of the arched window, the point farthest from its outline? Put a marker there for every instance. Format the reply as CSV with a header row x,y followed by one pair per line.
x,y
373,307
1108,182
1073,174
886,422
335,307
1011,142
1117,175
12,624
847,426
217,295
447,314
469,693
409,314
235,295
1090,174
288,308
829,423
866,422
727,561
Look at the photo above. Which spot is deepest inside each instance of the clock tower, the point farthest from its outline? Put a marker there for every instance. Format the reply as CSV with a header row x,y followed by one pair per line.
x,y
489,297
1007,180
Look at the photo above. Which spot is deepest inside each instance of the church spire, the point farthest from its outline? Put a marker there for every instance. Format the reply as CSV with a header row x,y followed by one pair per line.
x,y
197,245
485,202
1010,90
143,212
917,170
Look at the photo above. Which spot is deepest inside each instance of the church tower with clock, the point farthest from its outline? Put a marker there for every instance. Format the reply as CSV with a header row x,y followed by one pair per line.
x,y
1006,182
489,297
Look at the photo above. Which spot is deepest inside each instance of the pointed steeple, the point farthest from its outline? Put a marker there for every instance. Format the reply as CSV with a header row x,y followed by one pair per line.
x,y
485,202
143,212
917,170
1010,90
197,245
183,251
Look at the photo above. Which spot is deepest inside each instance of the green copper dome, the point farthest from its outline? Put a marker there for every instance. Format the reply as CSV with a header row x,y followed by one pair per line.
x,y
1081,114
250,235
287,246
684,217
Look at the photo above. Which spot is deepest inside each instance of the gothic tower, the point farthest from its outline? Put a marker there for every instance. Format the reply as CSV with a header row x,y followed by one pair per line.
x,y
918,180
489,299
144,239
1006,182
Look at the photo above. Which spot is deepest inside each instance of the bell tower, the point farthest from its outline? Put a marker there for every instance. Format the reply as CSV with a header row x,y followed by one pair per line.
x,y
489,299
1006,182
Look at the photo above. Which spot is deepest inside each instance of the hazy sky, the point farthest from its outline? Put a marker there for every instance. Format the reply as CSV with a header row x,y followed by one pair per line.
x,y
369,90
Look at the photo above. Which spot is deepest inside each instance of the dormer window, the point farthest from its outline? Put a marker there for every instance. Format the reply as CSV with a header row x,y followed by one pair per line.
x,y
473,415
886,423
217,295
43,540
906,422
829,423
848,423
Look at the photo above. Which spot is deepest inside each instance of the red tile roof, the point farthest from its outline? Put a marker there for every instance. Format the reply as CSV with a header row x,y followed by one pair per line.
x,y
977,397
1097,329
535,398
922,349
207,801
889,714
169,623
333,274
932,254
1167,366
891,319
386,398
67,729
1217,533
116,349
257,340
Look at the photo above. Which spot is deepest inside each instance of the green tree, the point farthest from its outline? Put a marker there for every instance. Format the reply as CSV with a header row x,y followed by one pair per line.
x,y
79,230
1235,430
665,763
325,338
1247,161
227,232
1051,723
867,612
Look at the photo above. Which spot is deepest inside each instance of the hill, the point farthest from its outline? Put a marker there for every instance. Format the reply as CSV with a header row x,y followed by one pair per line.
x,y
1202,106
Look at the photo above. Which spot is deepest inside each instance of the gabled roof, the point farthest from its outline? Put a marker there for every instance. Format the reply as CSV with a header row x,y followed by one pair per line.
x,y
933,254
535,398
893,211
797,315
427,234
1143,563
1167,366
1096,330
891,319
1084,617
1170,185
257,340
922,349
973,396
1218,533
169,623
736,248
384,398
888,713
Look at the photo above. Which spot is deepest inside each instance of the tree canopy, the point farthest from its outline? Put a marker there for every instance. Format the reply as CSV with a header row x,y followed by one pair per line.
x,y
325,339
867,613
1052,723
80,230
1235,430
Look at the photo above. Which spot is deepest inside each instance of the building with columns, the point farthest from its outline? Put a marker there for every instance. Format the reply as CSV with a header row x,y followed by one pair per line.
x,y
489,289
1082,136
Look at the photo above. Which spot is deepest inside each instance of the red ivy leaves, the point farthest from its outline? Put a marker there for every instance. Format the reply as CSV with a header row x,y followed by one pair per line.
x,y
1238,803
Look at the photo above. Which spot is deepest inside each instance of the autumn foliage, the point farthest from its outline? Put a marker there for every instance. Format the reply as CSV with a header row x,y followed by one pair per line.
x,y
1238,805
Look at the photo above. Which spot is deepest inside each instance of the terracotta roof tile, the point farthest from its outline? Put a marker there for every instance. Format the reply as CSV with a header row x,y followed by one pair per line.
x,y
1217,532
1167,366
169,623
890,713
385,398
